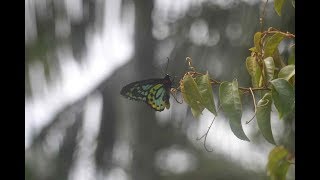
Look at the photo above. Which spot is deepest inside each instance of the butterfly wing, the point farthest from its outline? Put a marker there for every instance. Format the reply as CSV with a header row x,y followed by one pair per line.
x,y
158,97
153,92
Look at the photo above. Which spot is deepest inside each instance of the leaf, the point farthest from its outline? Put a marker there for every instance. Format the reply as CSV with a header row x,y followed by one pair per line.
x,y
256,39
253,49
205,89
278,6
287,72
269,68
278,60
263,117
254,70
291,59
191,95
272,44
231,105
278,164
283,96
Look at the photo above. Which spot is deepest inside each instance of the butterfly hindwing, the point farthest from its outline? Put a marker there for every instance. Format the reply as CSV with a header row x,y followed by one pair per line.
x,y
154,92
158,97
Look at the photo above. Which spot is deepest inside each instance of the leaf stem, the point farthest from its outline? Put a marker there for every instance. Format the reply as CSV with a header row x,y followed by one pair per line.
x,y
255,106
206,134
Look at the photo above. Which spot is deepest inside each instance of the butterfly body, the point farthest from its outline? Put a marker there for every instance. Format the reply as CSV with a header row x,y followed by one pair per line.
x,y
154,92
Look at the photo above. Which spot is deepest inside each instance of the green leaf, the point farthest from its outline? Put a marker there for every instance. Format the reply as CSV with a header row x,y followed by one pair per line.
x,y
283,96
278,60
253,49
254,71
205,89
231,105
263,117
291,59
269,68
278,6
272,44
256,39
278,164
191,95
287,72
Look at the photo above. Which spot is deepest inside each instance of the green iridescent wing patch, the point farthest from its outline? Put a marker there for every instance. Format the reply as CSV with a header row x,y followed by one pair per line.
x,y
154,92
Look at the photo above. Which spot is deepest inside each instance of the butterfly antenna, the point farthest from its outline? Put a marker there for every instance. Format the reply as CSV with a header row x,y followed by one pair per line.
x,y
167,65
164,72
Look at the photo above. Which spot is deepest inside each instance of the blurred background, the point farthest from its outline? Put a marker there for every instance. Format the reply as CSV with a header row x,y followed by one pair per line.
x,y
80,53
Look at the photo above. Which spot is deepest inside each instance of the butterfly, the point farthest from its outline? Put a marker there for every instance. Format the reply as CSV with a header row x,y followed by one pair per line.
x,y
154,92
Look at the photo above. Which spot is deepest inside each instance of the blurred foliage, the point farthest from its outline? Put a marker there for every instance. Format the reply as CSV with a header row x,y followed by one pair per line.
x,y
55,150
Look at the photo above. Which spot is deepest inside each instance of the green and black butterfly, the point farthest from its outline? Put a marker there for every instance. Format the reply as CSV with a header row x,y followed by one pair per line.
x,y
154,92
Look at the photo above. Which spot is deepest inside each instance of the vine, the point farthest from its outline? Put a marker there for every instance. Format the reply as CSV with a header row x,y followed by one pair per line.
x,y
270,75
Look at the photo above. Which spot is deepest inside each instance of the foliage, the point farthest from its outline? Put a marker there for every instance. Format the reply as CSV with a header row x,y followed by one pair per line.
x,y
273,78
279,162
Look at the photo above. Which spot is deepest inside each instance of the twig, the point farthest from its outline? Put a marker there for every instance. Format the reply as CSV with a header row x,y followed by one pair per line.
x,y
263,15
174,96
255,106
213,81
287,34
206,134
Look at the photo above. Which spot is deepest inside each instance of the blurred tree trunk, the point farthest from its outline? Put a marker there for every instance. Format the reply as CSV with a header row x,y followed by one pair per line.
x,y
67,152
145,126
106,136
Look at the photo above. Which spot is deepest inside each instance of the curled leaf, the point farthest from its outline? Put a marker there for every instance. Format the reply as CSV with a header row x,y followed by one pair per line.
x,y
269,68
287,72
191,95
231,105
263,117
205,89
254,70
283,96
272,44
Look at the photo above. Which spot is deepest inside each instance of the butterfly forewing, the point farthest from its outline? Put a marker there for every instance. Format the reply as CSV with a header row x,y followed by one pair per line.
x,y
154,92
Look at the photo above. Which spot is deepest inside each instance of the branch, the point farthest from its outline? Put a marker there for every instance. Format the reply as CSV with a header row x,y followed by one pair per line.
x,y
255,106
206,134
272,30
263,15
214,81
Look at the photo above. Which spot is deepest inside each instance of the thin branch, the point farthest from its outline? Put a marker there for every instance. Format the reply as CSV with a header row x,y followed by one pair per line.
x,y
274,31
174,96
255,106
201,137
263,16
213,81
206,134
